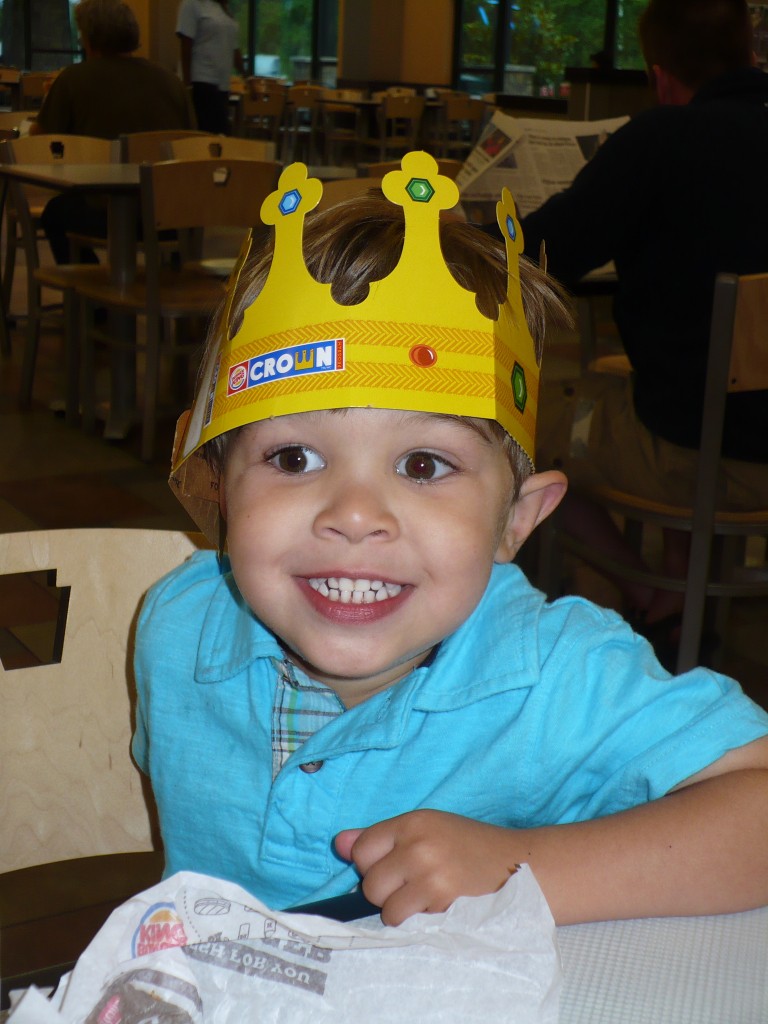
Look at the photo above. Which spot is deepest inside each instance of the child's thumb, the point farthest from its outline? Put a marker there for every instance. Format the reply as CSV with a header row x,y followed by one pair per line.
x,y
346,840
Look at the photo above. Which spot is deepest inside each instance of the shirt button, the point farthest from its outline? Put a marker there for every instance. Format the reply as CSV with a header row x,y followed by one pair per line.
x,y
311,767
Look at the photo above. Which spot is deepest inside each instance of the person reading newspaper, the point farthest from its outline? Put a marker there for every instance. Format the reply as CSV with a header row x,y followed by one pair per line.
x,y
672,197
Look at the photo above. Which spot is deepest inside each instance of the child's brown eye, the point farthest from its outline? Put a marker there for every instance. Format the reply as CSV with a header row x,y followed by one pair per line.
x,y
423,466
296,458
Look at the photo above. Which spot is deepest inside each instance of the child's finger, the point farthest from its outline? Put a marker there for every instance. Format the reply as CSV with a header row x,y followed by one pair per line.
x,y
345,840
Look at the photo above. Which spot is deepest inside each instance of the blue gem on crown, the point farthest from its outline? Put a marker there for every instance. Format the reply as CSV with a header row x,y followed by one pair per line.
x,y
511,229
290,201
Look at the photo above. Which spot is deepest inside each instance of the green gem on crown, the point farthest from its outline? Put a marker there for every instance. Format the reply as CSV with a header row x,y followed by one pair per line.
x,y
420,190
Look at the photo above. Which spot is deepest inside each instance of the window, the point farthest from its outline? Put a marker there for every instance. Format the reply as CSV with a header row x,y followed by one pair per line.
x,y
524,46
291,39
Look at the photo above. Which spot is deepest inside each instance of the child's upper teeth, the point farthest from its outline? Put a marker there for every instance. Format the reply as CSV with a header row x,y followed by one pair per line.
x,y
350,591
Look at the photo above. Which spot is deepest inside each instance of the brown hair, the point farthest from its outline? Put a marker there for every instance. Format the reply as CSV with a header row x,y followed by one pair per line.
x,y
358,241
109,27
696,40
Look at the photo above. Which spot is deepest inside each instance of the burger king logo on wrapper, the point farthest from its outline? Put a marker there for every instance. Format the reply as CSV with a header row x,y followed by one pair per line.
x,y
159,928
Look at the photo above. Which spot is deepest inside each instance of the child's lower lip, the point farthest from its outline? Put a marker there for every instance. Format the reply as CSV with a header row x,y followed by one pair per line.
x,y
352,614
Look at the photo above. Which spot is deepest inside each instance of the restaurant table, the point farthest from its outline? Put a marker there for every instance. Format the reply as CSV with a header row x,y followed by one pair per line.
x,y
694,970
119,182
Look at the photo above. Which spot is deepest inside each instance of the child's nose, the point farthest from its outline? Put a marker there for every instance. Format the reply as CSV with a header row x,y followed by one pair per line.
x,y
356,511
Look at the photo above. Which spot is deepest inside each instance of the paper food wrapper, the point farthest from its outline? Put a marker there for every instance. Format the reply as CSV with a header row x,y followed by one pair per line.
x,y
198,950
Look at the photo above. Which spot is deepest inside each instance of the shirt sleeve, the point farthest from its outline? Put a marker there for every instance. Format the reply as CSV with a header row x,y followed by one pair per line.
x,y
188,17
616,730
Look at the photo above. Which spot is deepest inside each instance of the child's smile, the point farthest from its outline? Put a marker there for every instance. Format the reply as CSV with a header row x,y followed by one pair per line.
x,y
362,538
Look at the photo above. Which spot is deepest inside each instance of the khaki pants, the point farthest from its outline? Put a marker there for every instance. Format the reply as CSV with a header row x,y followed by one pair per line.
x,y
588,428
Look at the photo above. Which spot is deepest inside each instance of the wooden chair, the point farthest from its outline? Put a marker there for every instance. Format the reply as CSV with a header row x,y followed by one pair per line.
x,y
150,147
302,123
341,122
79,831
6,135
188,197
10,83
15,118
261,114
449,168
399,119
719,566
220,147
23,227
34,86
459,123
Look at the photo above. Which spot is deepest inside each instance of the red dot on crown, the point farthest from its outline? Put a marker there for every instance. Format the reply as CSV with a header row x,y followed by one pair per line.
x,y
423,355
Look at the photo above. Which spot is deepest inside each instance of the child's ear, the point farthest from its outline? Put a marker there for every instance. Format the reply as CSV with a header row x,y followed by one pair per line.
x,y
540,495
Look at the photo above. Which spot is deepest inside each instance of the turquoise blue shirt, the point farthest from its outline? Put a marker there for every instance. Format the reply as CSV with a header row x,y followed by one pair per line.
x,y
530,713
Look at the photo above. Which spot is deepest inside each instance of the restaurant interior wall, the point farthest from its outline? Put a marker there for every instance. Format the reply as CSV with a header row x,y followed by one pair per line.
x,y
396,41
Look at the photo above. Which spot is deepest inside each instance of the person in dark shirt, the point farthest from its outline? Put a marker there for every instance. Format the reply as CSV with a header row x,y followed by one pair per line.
x,y
672,198
109,94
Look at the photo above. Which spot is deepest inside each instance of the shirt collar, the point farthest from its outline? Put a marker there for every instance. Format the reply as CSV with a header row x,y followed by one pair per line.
x,y
494,650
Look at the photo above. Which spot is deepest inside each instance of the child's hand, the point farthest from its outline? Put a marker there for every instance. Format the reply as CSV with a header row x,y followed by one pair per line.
x,y
423,860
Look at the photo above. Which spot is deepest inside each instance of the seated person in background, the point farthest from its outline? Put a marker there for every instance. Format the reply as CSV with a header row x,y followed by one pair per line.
x,y
673,197
110,93
365,684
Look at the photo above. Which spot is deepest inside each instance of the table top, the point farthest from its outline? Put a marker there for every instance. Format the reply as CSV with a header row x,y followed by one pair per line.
x,y
692,970
115,177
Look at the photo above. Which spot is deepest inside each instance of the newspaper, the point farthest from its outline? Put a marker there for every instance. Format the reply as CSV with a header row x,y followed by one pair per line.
x,y
199,950
533,158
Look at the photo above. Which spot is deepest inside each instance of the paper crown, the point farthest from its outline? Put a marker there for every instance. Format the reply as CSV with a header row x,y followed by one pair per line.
x,y
418,341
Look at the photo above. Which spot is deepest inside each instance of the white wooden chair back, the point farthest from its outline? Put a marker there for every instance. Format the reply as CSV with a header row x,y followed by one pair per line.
x,y
69,788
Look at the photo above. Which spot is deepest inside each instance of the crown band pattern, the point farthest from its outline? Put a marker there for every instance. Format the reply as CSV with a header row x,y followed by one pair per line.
x,y
418,341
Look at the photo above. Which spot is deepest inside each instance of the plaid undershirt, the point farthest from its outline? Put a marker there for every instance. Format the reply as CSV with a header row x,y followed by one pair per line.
x,y
301,707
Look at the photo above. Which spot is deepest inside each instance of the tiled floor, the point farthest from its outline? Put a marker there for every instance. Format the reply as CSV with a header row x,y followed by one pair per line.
x,y
52,476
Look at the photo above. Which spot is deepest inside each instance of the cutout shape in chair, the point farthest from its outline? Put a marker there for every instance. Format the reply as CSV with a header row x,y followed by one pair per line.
x,y
399,120
718,568
78,824
23,223
188,197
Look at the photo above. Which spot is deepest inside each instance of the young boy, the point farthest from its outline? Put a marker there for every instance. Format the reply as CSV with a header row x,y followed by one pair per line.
x,y
366,686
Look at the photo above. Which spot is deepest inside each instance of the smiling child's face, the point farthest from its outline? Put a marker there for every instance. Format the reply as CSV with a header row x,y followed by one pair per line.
x,y
411,508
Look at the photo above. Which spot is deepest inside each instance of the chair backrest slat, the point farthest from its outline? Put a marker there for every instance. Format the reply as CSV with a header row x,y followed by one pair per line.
x,y
220,147
749,352
207,193
149,147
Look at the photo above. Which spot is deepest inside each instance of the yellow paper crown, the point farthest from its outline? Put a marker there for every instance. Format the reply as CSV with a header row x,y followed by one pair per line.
x,y
418,342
